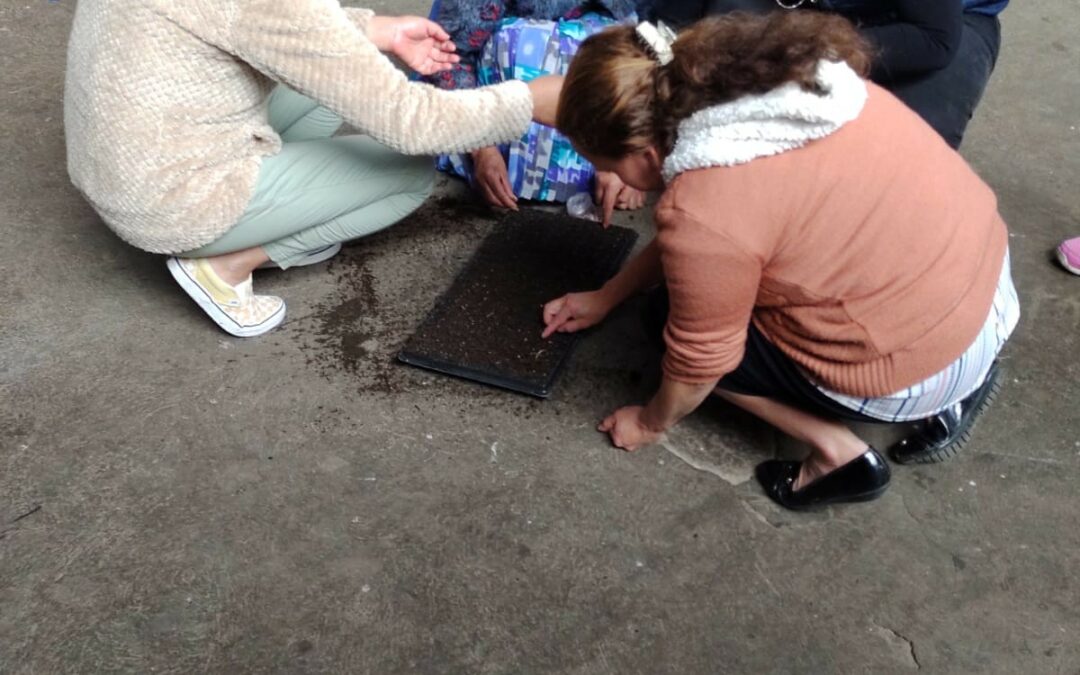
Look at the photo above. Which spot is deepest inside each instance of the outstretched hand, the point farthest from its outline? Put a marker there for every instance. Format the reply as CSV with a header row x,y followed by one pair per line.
x,y
575,311
422,45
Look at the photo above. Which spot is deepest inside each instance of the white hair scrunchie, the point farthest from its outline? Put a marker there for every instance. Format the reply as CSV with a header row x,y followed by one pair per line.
x,y
658,40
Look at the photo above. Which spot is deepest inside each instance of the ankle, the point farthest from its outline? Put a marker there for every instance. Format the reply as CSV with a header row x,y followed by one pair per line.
x,y
836,450
232,269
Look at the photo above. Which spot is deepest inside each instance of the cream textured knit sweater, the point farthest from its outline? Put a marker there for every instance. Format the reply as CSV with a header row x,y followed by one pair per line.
x,y
165,105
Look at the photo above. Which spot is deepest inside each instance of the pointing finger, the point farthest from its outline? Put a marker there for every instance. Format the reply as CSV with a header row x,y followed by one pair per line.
x,y
551,309
565,312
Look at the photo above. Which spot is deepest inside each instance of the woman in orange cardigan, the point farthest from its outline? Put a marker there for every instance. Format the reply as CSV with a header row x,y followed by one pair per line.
x,y
826,256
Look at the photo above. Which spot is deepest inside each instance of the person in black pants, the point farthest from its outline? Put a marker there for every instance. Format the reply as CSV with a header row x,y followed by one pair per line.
x,y
934,55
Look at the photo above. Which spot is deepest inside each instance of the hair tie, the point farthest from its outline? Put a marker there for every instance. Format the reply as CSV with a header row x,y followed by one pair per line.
x,y
657,40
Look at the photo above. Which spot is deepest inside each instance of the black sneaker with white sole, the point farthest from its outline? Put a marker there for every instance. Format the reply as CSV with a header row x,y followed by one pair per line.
x,y
944,435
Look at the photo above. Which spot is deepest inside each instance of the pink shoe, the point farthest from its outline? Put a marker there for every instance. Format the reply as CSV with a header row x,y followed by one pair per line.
x,y
1068,253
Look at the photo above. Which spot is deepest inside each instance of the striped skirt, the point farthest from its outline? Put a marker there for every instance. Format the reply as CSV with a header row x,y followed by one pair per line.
x,y
959,379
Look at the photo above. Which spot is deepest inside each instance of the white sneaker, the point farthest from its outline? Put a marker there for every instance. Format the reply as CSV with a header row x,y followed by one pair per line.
x,y
310,258
236,309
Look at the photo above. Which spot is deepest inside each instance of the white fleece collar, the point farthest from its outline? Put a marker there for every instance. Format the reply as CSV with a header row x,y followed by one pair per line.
x,y
760,125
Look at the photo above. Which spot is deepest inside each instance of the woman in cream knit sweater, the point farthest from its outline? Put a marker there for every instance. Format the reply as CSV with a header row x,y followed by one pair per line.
x,y
202,129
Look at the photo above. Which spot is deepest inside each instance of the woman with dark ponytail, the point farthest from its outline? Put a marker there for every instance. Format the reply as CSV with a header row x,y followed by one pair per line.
x,y
821,256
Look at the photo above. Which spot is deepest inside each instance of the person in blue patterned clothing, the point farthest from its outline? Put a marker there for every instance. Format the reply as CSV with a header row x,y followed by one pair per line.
x,y
500,40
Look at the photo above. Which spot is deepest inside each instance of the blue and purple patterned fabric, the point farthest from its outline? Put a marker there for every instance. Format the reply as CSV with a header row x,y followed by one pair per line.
x,y
472,23
541,165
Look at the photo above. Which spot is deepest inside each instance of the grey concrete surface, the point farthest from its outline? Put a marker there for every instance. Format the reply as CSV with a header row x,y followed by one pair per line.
x,y
174,500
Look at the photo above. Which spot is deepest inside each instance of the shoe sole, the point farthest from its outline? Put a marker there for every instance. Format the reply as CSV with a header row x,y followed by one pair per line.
x,y
207,304
1064,260
868,496
947,452
314,258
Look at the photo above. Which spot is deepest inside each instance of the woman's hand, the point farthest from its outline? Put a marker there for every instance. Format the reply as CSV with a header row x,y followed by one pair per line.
x,y
491,178
626,429
576,311
612,193
420,44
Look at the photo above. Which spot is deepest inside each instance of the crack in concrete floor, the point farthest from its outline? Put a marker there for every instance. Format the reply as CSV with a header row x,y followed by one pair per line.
x,y
731,477
904,646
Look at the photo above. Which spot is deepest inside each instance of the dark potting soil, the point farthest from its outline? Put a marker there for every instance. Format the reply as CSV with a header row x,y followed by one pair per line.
x,y
487,326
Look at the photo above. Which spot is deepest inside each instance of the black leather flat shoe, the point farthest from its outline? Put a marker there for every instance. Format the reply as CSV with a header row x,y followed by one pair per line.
x,y
862,479
944,435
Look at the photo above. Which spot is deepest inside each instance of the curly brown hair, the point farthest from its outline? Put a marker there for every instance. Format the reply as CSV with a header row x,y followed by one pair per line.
x,y
618,99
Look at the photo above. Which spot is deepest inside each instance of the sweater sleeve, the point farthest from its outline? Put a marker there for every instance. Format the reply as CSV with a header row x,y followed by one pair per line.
x,y
359,17
712,285
314,47
924,37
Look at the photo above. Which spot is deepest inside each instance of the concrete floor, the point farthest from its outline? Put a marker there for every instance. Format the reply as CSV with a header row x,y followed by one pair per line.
x,y
174,500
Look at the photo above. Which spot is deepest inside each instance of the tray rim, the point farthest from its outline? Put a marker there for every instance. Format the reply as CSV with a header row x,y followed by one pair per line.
x,y
628,239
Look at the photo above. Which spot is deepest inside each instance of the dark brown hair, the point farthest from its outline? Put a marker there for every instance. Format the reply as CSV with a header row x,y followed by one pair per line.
x,y
617,98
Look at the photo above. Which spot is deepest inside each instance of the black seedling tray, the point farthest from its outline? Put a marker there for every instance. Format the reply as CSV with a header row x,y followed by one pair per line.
x,y
487,326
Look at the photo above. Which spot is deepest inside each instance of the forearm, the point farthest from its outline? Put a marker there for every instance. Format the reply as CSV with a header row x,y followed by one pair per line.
x,y
545,95
672,402
361,18
380,30
314,47
642,272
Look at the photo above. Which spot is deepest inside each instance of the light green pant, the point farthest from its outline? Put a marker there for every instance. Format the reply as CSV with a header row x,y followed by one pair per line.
x,y
320,190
